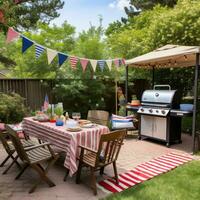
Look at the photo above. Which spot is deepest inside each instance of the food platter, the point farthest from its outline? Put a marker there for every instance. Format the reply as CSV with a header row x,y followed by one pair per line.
x,y
75,129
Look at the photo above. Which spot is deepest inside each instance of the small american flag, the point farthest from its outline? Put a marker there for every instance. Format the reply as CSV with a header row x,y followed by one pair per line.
x,y
46,103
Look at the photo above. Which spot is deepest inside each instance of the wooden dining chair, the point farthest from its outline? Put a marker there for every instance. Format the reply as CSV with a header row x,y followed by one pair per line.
x,y
33,156
107,153
10,150
98,116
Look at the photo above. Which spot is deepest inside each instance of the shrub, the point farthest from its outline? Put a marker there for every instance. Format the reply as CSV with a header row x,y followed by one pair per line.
x,y
12,109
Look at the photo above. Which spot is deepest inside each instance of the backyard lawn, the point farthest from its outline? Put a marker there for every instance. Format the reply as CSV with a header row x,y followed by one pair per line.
x,y
182,183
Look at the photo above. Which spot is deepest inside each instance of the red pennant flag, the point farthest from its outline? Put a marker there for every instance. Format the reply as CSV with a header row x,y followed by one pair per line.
x,y
84,63
73,61
123,61
11,35
117,62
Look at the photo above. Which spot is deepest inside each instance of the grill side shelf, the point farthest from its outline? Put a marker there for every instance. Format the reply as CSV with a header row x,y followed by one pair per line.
x,y
181,113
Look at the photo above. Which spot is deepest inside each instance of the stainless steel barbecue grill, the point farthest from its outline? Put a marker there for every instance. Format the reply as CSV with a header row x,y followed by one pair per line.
x,y
160,117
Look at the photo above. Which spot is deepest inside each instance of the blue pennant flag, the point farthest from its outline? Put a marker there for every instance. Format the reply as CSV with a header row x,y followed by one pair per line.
x,y
26,43
38,50
101,64
62,58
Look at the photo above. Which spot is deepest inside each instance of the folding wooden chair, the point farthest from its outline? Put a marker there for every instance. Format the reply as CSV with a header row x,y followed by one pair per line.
x,y
10,149
107,153
32,157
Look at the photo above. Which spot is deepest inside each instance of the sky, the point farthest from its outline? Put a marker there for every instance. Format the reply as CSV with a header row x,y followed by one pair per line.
x,y
80,13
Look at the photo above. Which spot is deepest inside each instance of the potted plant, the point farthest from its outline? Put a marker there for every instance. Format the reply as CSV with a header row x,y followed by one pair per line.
x,y
59,111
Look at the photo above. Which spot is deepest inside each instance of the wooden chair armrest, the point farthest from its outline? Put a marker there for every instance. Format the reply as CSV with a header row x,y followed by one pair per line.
x,y
37,146
88,149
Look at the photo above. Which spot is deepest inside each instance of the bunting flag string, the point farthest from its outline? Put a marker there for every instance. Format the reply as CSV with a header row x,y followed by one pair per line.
x,y
73,61
117,62
93,64
84,62
12,35
101,64
62,58
51,54
38,50
26,43
109,64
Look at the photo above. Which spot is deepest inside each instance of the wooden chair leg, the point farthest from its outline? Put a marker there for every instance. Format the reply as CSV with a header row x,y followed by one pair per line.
x,y
101,170
115,172
42,176
5,160
14,161
21,172
66,175
78,175
93,180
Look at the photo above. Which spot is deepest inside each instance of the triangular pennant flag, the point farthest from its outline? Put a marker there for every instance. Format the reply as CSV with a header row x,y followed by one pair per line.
x,y
73,61
51,54
123,61
11,35
94,64
38,50
84,63
62,58
109,64
101,64
117,62
26,43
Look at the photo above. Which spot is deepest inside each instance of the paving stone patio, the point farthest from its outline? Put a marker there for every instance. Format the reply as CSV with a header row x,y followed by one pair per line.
x,y
133,152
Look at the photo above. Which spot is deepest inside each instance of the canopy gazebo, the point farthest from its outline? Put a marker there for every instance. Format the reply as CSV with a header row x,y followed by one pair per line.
x,y
171,56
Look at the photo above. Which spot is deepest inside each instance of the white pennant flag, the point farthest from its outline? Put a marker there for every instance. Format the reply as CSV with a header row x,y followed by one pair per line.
x,y
51,54
94,64
109,64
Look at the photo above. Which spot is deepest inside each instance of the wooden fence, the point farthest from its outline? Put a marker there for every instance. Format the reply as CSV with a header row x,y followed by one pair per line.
x,y
33,90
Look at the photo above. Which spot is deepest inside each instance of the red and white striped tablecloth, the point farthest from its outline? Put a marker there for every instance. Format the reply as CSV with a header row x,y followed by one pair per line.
x,y
65,140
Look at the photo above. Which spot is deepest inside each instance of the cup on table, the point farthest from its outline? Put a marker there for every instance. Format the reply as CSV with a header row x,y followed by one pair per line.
x,y
76,115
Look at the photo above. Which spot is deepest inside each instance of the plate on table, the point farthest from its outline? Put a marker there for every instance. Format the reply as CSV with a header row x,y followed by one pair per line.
x,y
84,121
75,129
88,125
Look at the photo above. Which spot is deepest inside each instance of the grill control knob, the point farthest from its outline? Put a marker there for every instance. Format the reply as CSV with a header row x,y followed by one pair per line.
x,y
163,112
142,110
150,110
157,111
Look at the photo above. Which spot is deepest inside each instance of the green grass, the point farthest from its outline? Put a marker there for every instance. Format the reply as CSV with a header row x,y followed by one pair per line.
x,y
182,183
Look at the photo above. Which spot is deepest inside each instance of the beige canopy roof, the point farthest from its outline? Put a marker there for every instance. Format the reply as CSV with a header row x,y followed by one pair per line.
x,y
167,56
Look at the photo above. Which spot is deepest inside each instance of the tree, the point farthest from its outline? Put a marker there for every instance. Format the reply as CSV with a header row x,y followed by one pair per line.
x,y
136,5
157,27
25,14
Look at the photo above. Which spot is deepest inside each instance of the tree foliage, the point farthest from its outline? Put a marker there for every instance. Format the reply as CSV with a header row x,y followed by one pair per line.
x,y
24,14
27,13
157,27
149,4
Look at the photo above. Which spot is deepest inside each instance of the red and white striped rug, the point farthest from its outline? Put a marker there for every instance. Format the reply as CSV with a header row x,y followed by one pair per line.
x,y
145,172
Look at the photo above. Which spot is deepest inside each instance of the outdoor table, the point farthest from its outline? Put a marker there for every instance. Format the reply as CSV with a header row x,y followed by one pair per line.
x,y
64,140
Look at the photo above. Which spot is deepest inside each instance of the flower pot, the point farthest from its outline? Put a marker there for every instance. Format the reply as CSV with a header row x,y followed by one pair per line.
x,y
59,122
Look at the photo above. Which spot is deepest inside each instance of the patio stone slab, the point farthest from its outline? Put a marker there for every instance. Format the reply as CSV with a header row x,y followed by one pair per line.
x,y
133,152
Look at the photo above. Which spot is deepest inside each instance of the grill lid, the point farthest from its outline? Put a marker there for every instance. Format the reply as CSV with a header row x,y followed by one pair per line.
x,y
158,97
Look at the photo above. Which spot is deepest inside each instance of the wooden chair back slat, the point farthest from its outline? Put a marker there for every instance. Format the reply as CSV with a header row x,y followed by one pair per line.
x,y
110,145
17,143
3,138
98,116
